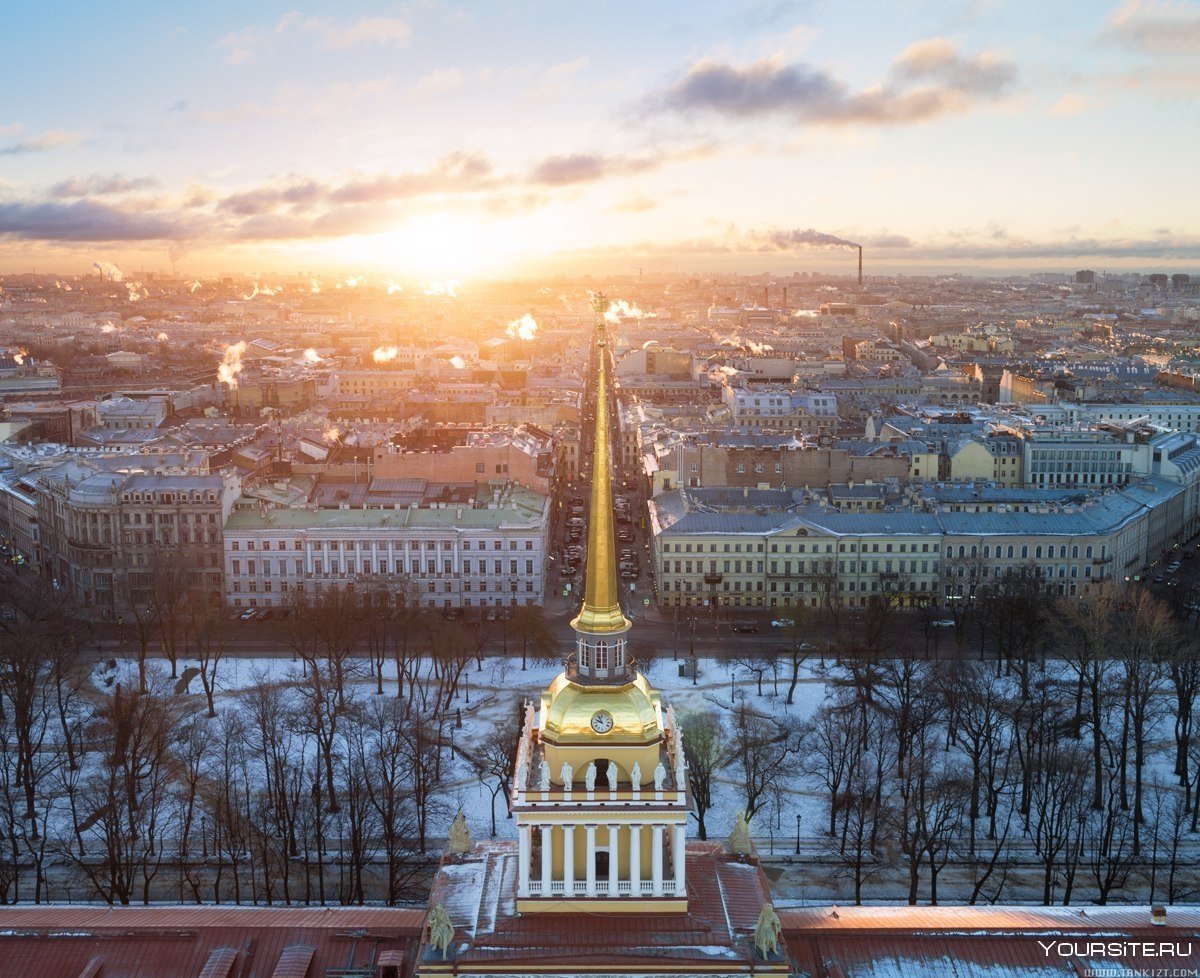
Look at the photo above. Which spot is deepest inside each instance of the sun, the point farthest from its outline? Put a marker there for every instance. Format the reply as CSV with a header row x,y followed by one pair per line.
x,y
442,246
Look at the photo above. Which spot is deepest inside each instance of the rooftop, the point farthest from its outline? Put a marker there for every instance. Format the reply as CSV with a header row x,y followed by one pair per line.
x,y
479,892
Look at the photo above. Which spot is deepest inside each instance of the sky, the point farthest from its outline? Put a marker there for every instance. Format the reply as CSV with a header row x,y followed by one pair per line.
x,y
535,137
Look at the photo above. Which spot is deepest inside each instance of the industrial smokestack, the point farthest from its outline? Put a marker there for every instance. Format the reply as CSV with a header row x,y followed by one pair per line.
x,y
766,297
860,265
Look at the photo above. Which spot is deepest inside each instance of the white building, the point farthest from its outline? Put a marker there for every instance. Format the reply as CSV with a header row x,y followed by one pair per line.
x,y
487,554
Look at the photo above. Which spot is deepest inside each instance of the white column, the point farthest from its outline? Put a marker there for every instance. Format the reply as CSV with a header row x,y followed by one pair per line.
x,y
635,860
656,861
612,860
547,832
568,860
589,862
524,855
678,851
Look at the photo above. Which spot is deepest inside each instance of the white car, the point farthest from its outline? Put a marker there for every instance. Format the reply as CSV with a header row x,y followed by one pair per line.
x,y
782,623
944,623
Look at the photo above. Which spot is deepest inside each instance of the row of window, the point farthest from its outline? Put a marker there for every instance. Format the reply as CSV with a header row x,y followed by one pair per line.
x,y
447,545
480,587
371,567
800,548
989,551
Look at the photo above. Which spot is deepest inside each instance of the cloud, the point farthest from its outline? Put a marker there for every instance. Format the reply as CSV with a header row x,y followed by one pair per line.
x,y
241,46
1166,27
928,80
440,81
367,30
635,205
83,220
1072,104
555,78
100,185
455,173
888,241
557,171
51,139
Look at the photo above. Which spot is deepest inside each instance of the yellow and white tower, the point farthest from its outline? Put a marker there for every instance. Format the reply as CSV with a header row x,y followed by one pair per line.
x,y
600,790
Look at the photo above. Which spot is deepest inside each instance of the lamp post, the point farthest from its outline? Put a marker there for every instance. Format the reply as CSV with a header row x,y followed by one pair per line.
x,y
797,833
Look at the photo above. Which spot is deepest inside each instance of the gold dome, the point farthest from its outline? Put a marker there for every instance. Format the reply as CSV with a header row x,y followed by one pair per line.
x,y
568,708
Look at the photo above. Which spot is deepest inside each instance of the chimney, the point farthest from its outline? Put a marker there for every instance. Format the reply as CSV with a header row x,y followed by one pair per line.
x,y
860,265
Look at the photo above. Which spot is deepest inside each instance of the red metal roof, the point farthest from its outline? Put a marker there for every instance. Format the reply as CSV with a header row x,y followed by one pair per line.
x,y
186,942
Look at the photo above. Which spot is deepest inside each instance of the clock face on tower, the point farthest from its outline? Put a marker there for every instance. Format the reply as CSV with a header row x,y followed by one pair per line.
x,y
602,721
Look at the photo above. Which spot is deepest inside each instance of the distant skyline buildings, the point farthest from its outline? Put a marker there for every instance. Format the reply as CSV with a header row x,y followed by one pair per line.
x,y
454,141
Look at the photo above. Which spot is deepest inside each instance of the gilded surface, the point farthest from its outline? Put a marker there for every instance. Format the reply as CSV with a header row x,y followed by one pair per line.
x,y
568,708
601,613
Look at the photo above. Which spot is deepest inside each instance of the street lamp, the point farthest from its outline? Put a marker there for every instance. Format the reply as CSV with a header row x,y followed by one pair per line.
x,y
797,833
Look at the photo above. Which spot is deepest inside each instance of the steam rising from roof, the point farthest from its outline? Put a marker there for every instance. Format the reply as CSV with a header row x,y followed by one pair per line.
x,y
231,363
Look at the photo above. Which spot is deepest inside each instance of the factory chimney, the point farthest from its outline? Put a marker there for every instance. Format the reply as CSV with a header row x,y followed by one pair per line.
x,y
860,265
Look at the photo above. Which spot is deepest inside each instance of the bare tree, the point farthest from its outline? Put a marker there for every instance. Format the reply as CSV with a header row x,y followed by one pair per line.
x,y
763,754
495,761
704,746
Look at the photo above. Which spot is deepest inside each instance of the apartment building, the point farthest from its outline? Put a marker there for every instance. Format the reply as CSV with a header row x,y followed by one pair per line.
x,y
771,548
782,409
487,552
106,524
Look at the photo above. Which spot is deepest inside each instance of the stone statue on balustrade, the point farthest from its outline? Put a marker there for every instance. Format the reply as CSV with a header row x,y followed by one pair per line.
x,y
441,930
767,931
543,776
612,776
589,777
460,835
635,776
568,775
739,838
660,776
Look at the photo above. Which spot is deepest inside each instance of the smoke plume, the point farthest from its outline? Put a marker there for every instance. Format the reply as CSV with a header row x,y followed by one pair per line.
x,y
524,328
231,363
108,271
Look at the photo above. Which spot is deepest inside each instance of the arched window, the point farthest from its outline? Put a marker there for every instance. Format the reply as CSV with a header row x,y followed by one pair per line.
x,y
601,655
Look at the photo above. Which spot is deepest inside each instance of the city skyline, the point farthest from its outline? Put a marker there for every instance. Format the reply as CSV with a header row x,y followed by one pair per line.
x,y
432,140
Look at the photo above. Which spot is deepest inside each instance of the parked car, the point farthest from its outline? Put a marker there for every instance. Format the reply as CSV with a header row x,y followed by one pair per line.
x,y
1158,579
783,623
944,623
249,614
744,627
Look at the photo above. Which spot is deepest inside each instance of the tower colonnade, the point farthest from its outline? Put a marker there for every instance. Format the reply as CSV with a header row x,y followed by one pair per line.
x,y
606,857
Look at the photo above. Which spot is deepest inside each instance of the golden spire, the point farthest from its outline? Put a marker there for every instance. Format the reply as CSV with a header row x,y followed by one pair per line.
x,y
601,612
